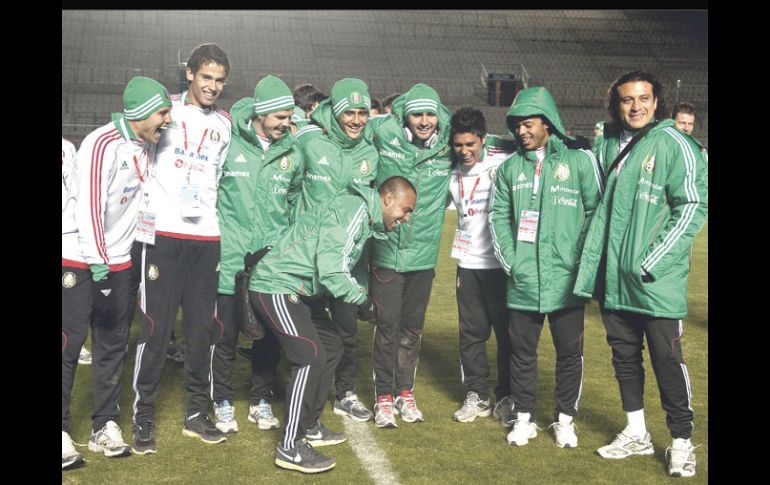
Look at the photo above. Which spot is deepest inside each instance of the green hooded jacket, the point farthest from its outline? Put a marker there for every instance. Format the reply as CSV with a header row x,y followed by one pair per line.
x,y
333,161
317,252
414,245
650,214
542,273
256,193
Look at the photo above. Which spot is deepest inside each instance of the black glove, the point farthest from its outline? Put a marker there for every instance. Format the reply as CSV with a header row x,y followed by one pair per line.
x,y
368,310
252,259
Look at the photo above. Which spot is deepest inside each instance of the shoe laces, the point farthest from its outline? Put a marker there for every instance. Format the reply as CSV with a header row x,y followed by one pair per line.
x,y
307,450
471,401
408,398
558,426
520,425
264,409
225,411
682,454
385,404
112,431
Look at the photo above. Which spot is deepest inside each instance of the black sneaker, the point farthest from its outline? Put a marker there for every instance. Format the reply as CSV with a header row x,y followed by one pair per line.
x,y
200,426
144,438
303,458
320,435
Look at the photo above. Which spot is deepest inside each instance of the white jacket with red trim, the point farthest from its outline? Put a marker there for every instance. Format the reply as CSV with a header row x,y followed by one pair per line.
x,y
191,152
109,164
70,249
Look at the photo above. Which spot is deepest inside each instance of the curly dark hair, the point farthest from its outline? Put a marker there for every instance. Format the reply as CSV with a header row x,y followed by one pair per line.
x,y
613,97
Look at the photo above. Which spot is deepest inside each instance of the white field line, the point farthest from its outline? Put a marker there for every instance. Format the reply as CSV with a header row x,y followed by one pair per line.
x,y
370,454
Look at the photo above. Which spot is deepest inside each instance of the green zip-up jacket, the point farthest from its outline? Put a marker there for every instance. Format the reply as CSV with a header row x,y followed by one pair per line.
x,y
414,245
542,273
647,220
257,193
317,252
334,162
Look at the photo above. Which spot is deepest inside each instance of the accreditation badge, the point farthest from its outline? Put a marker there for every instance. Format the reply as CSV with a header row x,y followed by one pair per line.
x,y
145,228
191,201
528,225
461,244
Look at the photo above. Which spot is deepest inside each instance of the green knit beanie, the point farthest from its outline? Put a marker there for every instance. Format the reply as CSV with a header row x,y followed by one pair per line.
x,y
270,95
421,99
350,93
142,97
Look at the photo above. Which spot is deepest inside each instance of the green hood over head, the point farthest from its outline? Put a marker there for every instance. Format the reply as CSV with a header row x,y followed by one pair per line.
x,y
323,116
536,101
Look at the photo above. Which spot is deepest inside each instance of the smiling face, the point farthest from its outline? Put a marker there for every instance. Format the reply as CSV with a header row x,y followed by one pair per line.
x,y
531,133
396,207
353,121
468,147
422,125
206,84
273,126
150,128
637,104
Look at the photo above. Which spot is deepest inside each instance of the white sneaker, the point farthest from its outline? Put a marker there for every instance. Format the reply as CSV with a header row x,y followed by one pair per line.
x,y
85,357
383,412
473,406
70,458
681,458
522,432
624,446
109,440
224,412
564,434
406,406
262,414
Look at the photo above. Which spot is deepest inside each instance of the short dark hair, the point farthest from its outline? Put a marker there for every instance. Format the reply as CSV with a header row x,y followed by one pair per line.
x,y
388,100
312,99
683,107
395,185
613,98
301,94
205,54
468,120
376,104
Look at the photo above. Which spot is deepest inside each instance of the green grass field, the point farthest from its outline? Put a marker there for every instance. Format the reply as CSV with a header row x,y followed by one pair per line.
x,y
438,451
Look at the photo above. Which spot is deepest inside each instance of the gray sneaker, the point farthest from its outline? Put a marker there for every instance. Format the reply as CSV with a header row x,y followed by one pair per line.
x,y
320,435
383,412
303,458
504,411
109,440
351,407
200,426
406,406
472,407
624,446
262,415
70,458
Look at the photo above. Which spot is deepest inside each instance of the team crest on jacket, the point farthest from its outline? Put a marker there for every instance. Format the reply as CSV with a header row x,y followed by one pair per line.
x,y
293,298
285,163
215,136
68,279
649,164
492,172
153,272
365,168
562,172
355,97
